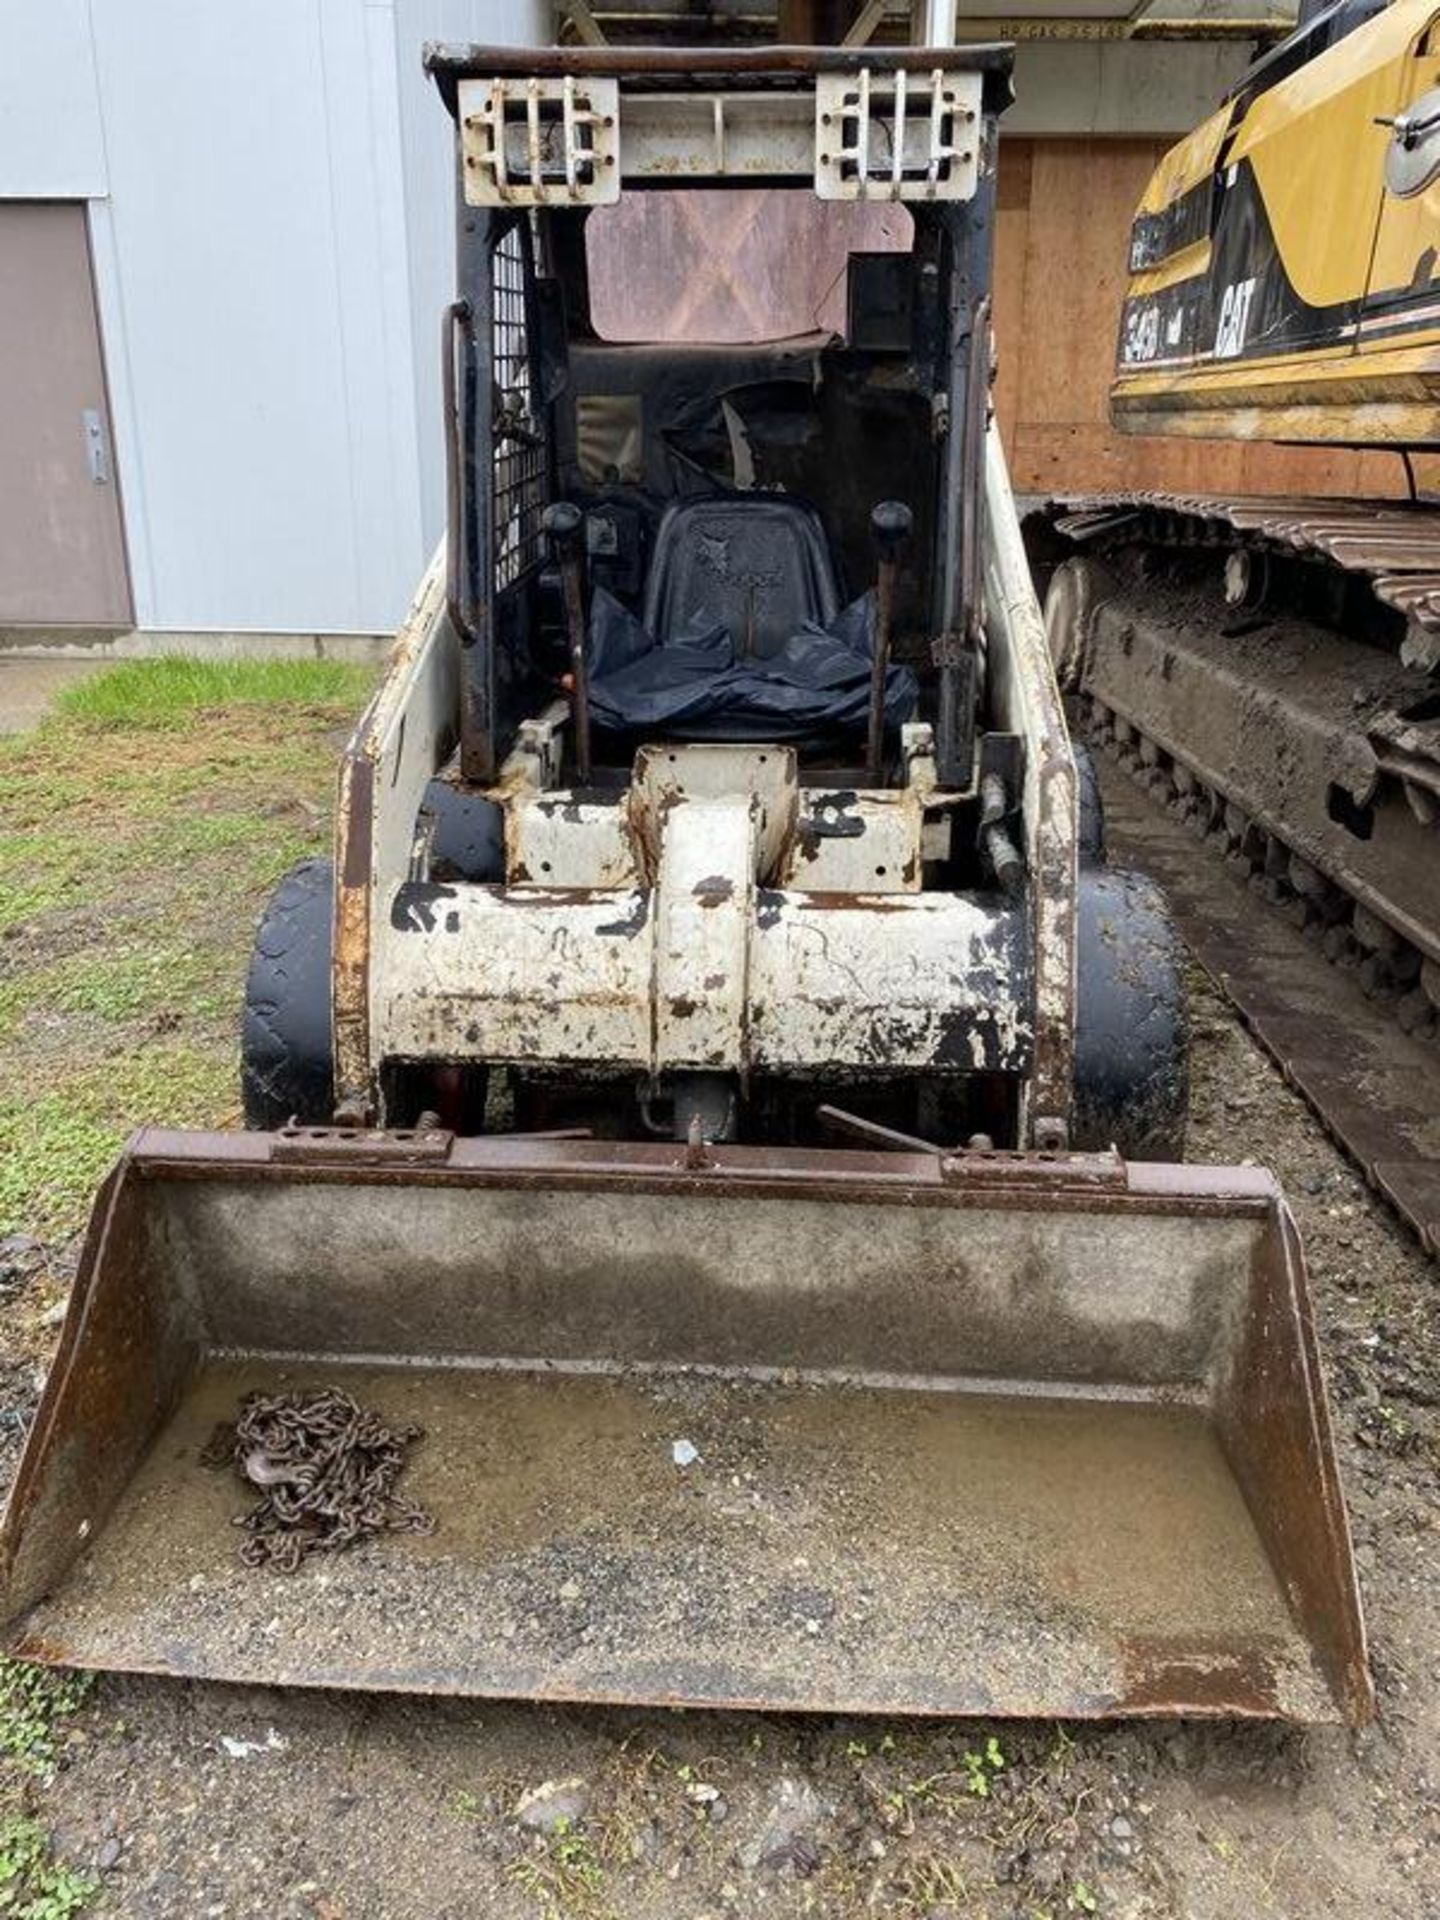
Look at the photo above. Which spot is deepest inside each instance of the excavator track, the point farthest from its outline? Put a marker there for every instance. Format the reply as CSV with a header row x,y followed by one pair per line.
x,y
1370,1084
1266,671
1394,544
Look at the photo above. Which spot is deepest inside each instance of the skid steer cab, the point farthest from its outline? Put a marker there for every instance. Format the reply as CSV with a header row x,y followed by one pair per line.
x,y
719,775
689,1100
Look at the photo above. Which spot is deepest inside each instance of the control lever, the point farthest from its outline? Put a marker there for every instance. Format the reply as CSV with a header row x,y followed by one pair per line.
x,y
890,526
563,525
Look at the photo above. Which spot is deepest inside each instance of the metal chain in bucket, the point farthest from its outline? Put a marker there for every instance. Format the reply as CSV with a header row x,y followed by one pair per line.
x,y
327,1467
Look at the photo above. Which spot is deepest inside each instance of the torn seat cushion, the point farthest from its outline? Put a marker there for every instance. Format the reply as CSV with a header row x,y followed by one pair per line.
x,y
814,686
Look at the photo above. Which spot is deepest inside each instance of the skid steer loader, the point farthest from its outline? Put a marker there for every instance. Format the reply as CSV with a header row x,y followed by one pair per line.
x,y
720,1093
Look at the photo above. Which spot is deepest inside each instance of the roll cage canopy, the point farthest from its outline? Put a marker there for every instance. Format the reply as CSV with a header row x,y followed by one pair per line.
x,y
546,134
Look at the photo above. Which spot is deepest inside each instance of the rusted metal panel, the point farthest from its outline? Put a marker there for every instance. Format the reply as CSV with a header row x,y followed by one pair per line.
x,y
865,842
699,65
704,971
631,933
1121,1495
890,984
401,741
350,970
666,776
514,974
559,839
704,906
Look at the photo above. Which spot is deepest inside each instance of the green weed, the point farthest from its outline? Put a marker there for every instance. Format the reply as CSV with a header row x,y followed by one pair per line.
x,y
567,1881
32,1699
33,1884
980,1766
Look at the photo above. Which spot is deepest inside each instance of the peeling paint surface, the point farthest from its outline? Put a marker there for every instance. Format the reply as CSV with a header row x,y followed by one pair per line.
x,y
1029,701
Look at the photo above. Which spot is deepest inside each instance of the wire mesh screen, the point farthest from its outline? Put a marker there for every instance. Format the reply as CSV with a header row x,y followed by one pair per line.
x,y
519,444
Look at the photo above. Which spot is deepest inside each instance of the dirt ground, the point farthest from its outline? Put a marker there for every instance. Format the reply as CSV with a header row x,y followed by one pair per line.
x,y
185,1799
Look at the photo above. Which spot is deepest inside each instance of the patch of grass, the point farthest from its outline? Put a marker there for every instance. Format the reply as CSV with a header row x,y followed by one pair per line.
x,y
138,843
566,1880
169,692
116,984
34,1885
32,1699
55,1147
41,871
929,1887
195,837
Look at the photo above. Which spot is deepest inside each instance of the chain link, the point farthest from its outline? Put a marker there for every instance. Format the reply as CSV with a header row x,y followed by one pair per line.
x,y
327,1467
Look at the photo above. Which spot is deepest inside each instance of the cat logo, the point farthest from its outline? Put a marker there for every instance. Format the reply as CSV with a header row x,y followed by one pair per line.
x,y
1234,318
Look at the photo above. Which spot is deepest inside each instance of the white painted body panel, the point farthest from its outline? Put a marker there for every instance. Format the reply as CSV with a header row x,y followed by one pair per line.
x,y
695,965
879,984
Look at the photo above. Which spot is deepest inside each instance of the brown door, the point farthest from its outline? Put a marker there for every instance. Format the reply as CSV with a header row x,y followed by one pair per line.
x,y
62,543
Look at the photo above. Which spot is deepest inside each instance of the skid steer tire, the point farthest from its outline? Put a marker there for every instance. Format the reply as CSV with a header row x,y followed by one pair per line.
x,y
1131,1032
287,1068
1090,808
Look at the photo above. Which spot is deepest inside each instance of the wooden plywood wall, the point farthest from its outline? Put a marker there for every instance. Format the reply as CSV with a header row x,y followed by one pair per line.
x,y
1065,207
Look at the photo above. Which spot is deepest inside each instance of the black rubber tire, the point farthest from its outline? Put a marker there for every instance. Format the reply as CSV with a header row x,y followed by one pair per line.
x,y
1090,825
287,1067
1132,1030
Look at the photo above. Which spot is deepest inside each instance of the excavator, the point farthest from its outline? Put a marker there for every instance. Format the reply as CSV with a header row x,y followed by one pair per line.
x,y
1270,667
719,1117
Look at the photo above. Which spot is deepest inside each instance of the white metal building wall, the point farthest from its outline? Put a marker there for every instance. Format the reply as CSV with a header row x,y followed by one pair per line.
x,y
270,214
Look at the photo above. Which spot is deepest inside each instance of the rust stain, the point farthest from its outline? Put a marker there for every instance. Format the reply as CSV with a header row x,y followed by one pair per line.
x,y
1218,1680
827,900
350,978
35,1646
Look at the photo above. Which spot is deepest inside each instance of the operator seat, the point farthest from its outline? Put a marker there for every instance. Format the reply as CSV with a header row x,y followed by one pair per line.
x,y
743,636
757,565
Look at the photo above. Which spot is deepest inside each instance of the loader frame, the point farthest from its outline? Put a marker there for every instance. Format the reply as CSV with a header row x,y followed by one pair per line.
x,y
458,683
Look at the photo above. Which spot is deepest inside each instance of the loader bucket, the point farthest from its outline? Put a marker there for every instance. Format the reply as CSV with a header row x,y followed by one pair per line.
x,y
871,1432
